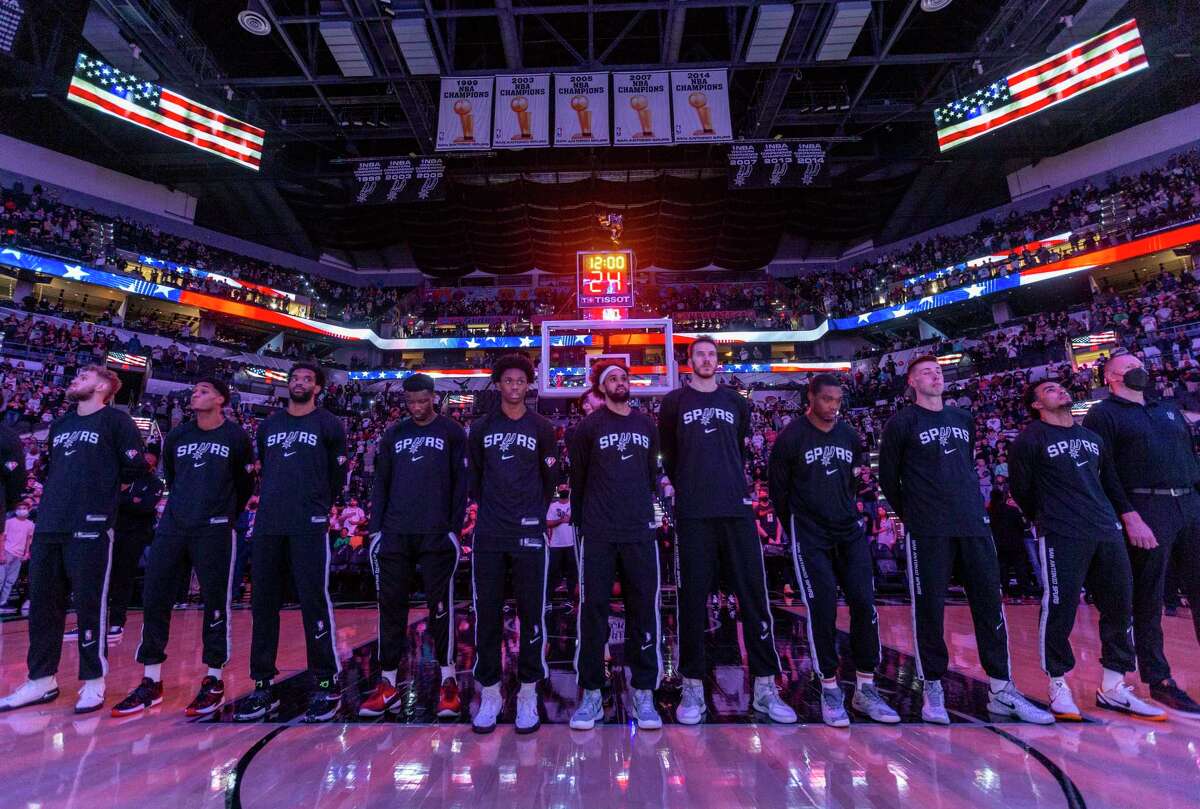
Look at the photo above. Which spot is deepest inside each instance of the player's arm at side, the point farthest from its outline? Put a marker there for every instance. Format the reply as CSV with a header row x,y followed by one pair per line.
x,y
475,459
1022,468
243,470
131,452
547,460
580,452
1109,480
779,475
652,455
1101,422
335,455
668,419
458,478
12,467
891,455
743,411
382,484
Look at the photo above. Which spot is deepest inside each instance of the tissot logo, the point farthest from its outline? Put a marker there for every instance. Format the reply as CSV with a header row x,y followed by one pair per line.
x,y
416,445
290,438
1072,447
706,415
826,455
198,450
68,440
506,441
622,441
942,435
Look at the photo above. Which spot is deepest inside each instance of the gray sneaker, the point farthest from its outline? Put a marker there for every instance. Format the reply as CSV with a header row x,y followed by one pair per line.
x,y
869,701
589,712
691,706
768,701
933,709
527,712
644,711
833,708
1012,703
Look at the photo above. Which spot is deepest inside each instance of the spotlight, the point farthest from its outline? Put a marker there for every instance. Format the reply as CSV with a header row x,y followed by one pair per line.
x,y
254,19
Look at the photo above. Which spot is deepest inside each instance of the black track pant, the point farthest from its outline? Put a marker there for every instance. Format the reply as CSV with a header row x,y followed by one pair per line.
x,y
305,556
58,567
1175,522
930,562
128,547
394,559
820,570
210,552
488,570
639,562
1068,564
733,543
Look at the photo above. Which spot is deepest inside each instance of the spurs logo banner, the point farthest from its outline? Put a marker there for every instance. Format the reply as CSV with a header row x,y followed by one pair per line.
x,y
778,164
700,99
581,109
465,114
641,109
380,182
522,115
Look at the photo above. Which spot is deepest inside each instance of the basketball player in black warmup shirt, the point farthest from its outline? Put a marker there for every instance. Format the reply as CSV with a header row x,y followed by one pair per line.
x,y
302,450
813,487
614,461
513,463
92,450
704,427
1061,475
417,506
209,465
927,474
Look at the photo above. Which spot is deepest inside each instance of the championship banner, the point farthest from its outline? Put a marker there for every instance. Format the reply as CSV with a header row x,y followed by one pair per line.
x,y
581,109
700,99
522,116
465,114
641,109
380,182
777,164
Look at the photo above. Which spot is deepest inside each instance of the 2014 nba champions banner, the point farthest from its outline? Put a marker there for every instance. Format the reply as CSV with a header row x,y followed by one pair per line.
x,y
522,116
465,114
641,108
700,99
581,109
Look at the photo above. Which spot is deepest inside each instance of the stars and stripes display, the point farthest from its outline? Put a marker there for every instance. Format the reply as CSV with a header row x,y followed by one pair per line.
x,y
126,361
269,375
102,87
1093,340
1093,63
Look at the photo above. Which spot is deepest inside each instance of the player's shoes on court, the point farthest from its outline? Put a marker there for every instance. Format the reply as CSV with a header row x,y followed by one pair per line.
x,y
323,705
691,705
933,705
833,708
1122,700
644,711
91,696
115,633
1062,704
527,720
385,697
867,700
589,712
1174,698
449,702
209,699
1012,703
485,717
768,701
31,692
260,703
147,694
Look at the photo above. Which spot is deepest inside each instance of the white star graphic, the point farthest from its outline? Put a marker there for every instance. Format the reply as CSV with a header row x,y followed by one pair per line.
x,y
472,344
442,341
161,289
903,311
865,317
75,272
580,339
974,291
526,342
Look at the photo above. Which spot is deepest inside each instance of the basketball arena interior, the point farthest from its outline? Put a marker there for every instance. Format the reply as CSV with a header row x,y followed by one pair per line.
x,y
631,403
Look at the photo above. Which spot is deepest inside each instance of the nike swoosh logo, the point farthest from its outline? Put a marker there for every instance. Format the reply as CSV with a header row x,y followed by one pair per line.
x,y
646,646
417,458
830,471
507,457
70,452
318,637
710,430
89,643
439,615
763,636
198,465
290,454
626,457
948,451
216,624
1084,463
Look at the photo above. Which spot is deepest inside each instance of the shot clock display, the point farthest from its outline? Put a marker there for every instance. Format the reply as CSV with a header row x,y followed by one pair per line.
x,y
604,279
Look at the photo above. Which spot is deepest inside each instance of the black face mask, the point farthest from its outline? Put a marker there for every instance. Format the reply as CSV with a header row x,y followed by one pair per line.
x,y
1137,379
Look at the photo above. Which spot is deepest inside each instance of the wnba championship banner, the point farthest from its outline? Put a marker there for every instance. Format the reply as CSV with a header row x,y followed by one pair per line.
x,y
700,99
581,109
641,109
522,115
465,114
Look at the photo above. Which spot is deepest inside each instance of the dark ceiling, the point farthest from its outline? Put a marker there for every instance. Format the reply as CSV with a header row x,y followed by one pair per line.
x,y
874,108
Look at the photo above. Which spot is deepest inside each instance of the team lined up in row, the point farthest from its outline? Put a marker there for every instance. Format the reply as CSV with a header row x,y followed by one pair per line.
x,y
1063,476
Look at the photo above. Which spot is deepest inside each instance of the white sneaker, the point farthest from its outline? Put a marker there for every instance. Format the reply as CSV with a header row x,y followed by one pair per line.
x,y
1012,703
867,700
489,710
833,708
1122,699
768,701
933,704
91,696
527,711
644,712
1062,704
691,706
31,692
589,712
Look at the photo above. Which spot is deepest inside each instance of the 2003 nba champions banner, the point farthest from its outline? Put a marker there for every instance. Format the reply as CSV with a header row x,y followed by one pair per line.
x,y
465,114
522,117
581,109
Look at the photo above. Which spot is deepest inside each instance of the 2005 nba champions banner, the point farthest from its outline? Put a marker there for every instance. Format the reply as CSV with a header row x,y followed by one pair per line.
x,y
581,109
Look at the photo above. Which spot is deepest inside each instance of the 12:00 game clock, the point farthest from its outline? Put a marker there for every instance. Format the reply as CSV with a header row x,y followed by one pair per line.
x,y
604,279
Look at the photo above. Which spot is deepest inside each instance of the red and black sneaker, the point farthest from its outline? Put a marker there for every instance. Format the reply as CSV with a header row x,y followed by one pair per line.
x,y
210,698
146,695
449,703
382,699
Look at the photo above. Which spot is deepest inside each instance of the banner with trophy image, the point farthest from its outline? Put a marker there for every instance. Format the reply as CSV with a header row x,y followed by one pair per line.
x,y
522,114
581,109
465,114
642,109
700,99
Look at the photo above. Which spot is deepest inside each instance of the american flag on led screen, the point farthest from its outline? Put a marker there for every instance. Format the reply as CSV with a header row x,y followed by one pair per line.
x,y
1093,340
102,87
1104,58
126,360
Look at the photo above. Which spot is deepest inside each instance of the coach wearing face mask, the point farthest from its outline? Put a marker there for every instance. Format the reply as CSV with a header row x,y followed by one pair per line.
x,y
1159,507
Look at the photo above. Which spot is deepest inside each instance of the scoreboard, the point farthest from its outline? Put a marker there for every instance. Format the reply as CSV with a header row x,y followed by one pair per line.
x,y
604,279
